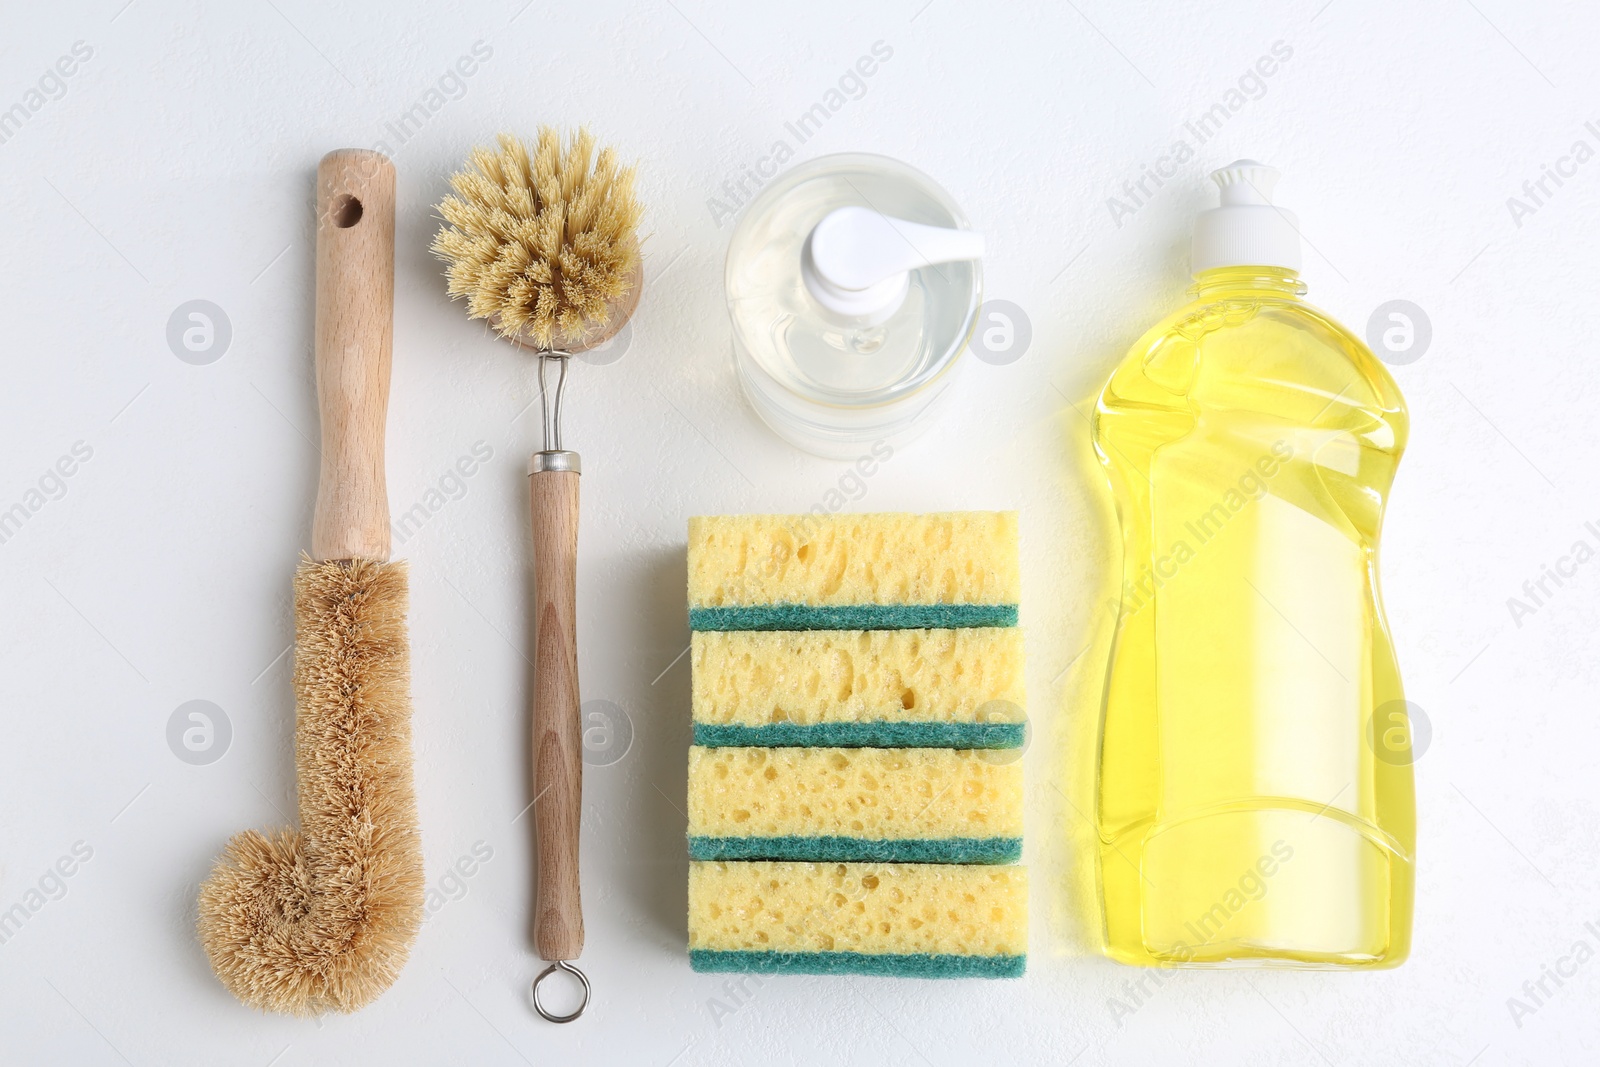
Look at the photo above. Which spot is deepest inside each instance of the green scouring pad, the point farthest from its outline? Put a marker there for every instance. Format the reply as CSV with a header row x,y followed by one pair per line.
x,y
834,848
876,965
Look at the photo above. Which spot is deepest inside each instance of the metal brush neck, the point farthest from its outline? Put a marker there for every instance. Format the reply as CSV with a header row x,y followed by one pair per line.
x,y
553,457
551,409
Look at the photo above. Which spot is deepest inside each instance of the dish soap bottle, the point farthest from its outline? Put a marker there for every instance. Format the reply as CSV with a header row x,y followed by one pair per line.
x,y
1255,799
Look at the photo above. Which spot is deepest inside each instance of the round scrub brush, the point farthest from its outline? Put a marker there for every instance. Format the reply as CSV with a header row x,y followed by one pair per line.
x,y
544,245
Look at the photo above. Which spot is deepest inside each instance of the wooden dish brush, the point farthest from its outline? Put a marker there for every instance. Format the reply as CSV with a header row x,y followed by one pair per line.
x,y
322,918
544,245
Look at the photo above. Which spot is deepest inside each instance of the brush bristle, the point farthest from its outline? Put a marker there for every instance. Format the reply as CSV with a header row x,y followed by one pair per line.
x,y
322,919
541,244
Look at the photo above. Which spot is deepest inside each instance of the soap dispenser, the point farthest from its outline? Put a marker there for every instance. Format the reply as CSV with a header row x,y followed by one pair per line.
x,y
853,285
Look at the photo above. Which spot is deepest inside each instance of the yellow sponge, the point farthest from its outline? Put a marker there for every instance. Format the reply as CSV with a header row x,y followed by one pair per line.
x,y
886,571
888,688
894,804
916,919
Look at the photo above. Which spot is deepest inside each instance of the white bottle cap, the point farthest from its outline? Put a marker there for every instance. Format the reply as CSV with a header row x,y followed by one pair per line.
x,y
857,263
1248,230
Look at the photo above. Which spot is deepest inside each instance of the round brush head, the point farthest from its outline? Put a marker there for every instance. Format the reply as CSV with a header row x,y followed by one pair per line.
x,y
543,241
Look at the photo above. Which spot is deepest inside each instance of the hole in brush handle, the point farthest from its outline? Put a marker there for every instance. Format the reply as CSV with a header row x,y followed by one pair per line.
x,y
345,211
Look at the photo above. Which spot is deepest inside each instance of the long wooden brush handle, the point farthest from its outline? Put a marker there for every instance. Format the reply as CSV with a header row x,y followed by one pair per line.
x,y
354,330
557,728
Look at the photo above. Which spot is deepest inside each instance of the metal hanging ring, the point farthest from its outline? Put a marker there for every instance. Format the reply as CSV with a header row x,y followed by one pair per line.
x,y
544,1013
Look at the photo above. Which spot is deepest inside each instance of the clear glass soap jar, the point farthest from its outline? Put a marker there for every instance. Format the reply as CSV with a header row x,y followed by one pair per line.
x,y
853,283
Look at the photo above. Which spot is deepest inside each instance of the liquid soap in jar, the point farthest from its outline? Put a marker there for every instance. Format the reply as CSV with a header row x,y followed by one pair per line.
x,y
853,284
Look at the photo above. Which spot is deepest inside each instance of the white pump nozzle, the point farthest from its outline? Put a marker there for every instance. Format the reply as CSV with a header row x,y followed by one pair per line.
x,y
1248,229
857,262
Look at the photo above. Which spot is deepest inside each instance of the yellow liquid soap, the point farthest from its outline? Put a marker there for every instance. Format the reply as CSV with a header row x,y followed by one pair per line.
x,y
1254,794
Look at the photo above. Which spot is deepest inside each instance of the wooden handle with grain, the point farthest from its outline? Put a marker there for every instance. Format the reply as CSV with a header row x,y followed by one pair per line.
x,y
354,336
557,726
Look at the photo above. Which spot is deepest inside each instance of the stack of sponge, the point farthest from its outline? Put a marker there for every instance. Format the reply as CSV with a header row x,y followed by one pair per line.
x,y
855,786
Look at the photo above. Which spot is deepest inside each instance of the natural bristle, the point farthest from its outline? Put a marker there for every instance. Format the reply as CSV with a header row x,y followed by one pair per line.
x,y
321,919
543,244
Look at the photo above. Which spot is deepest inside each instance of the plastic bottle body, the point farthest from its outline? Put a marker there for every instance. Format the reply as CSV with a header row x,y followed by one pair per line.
x,y
1255,802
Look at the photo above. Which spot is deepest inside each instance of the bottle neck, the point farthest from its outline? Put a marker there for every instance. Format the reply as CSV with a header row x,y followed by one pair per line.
x,y
1217,280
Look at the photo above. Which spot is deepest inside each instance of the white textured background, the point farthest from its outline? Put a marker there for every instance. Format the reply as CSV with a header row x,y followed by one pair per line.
x,y
176,165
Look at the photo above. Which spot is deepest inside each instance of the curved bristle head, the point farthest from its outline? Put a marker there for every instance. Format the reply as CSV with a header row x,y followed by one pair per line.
x,y
543,242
